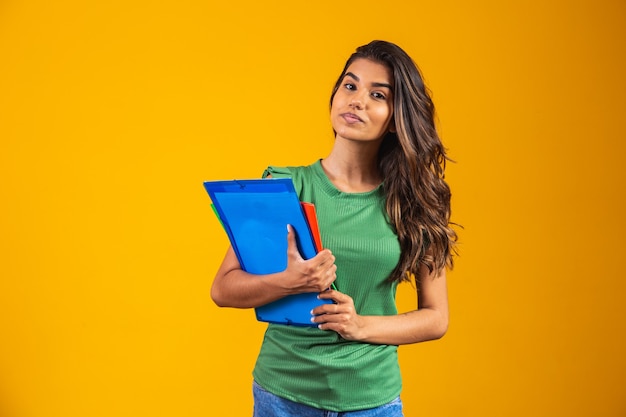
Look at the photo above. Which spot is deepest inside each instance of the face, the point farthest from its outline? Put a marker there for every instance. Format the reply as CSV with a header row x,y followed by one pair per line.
x,y
362,108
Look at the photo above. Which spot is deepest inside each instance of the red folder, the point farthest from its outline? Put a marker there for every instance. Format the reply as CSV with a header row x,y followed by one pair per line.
x,y
311,217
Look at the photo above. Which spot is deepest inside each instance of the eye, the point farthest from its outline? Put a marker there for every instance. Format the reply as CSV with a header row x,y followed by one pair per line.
x,y
378,95
349,86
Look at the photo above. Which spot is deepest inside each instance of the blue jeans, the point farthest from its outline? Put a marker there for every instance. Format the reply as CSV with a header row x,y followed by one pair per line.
x,y
267,404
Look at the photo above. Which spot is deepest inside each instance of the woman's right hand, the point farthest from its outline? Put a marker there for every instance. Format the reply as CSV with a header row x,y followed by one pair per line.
x,y
310,275
234,287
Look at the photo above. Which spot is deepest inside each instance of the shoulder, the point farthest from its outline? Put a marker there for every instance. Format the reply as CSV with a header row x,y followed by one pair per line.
x,y
302,176
278,172
295,172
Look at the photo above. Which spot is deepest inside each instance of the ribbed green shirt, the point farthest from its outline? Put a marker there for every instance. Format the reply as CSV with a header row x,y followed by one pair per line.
x,y
319,368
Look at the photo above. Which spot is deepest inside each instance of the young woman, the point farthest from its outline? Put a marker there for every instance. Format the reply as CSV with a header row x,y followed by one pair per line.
x,y
384,213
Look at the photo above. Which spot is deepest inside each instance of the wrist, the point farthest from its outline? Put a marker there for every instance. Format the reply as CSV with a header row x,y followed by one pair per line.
x,y
276,284
364,324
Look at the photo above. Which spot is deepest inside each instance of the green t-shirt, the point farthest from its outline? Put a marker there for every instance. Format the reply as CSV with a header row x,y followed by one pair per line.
x,y
319,368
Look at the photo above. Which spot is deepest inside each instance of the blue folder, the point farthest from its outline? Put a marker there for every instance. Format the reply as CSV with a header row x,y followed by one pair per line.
x,y
255,214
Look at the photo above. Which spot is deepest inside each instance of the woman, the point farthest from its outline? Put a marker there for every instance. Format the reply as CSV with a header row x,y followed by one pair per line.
x,y
384,214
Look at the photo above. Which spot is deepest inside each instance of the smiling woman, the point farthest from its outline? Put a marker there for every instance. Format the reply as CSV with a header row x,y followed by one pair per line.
x,y
383,211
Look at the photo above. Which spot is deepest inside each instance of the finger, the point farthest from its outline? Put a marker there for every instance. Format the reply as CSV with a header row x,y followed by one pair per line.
x,y
325,258
292,245
329,327
324,309
336,296
332,319
345,307
338,328
332,277
328,271
336,322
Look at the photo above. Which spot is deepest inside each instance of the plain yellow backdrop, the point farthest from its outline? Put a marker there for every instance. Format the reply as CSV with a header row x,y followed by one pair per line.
x,y
112,113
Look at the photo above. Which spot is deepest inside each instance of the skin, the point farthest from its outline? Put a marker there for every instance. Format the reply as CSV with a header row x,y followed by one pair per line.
x,y
234,287
361,115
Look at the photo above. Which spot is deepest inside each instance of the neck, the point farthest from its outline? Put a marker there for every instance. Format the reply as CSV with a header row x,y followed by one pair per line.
x,y
353,167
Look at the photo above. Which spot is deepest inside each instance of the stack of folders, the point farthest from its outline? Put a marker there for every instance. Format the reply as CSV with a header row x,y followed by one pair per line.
x,y
255,215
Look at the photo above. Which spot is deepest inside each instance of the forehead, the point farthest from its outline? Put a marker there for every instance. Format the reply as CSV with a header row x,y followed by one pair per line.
x,y
369,71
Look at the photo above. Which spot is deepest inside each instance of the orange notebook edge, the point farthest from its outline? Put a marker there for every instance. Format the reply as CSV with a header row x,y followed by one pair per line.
x,y
311,218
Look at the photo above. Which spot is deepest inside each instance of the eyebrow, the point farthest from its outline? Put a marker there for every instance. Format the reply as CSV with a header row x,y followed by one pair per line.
x,y
352,75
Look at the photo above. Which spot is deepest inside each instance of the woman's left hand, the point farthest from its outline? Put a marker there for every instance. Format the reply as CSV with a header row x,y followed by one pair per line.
x,y
340,317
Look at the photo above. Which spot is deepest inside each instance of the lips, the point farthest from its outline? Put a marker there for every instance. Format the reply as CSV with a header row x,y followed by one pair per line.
x,y
351,118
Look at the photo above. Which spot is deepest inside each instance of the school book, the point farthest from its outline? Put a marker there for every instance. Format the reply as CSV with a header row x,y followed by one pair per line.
x,y
255,213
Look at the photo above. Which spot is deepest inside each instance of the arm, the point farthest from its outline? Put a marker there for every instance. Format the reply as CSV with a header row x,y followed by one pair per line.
x,y
233,287
428,322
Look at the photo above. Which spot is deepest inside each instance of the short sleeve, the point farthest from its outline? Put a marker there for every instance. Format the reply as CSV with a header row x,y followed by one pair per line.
x,y
277,172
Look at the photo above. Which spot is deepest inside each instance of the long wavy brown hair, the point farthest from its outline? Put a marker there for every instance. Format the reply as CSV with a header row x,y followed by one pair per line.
x,y
412,163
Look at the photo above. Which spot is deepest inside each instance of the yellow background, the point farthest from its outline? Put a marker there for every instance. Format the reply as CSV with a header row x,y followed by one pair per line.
x,y
112,113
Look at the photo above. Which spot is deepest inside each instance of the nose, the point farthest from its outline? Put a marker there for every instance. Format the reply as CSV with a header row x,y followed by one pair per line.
x,y
356,103
357,99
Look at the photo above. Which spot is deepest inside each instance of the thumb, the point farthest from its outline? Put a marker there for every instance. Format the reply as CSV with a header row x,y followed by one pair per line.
x,y
292,245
